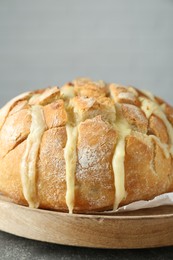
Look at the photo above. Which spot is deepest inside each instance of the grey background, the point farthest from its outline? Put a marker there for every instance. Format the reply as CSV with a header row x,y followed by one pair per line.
x,y
50,42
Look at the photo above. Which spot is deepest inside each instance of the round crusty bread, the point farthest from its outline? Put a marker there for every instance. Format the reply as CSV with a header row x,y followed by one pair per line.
x,y
87,146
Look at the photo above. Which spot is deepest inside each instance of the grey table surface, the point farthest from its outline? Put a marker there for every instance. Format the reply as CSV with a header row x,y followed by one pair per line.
x,y
50,42
12,247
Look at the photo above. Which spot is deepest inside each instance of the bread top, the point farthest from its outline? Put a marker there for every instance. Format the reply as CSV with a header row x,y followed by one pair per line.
x,y
84,99
114,111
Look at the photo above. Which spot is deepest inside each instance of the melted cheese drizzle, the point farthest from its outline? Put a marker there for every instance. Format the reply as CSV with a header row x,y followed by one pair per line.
x,y
70,159
28,163
118,162
33,98
149,107
67,92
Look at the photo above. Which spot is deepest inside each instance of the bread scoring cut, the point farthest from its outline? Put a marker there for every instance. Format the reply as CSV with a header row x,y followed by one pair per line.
x,y
88,146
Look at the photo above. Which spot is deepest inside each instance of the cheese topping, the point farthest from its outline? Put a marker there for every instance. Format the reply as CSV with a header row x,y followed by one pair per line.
x,y
123,130
149,107
71,159
67,91
33,99
29,160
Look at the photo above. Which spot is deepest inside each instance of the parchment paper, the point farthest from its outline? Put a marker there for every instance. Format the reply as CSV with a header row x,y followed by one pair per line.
x,y
161,200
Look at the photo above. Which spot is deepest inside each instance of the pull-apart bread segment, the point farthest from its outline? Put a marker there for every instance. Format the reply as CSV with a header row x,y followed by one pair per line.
x,y
86,146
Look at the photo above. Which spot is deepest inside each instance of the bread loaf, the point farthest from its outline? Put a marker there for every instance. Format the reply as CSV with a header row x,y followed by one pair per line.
x,y
87,146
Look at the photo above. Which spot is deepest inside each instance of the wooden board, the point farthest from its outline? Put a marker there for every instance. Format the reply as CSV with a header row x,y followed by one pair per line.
x,y
139,229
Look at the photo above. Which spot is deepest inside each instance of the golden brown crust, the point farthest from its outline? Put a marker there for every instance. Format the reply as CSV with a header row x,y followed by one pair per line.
x,y
122,94
85,108
10,183
47,96
135,117
94,108
139,177
96,144
169,113
147,169
55,114
15,129
87,88
158,128
51,183
4,111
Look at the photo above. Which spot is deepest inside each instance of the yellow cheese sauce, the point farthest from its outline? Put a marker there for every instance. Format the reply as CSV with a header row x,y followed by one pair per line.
x,y
70,159
123,130
28,163
67,92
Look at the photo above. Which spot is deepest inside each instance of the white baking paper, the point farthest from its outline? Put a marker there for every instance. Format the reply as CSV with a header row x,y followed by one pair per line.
x,y
161,200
